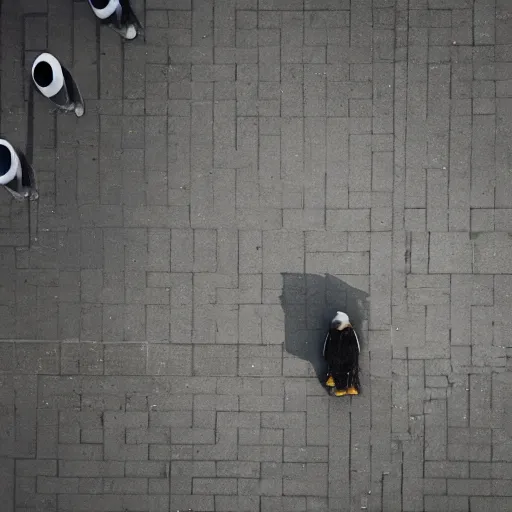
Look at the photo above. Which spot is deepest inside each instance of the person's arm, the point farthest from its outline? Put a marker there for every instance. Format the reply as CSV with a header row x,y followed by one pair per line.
x,y
357,341
326,344
355,353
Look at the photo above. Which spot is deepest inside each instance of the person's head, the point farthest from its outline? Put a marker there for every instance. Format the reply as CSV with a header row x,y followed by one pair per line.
x,y
340,321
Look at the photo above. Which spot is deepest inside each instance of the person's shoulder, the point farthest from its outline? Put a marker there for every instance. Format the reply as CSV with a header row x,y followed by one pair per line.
x,y
349,332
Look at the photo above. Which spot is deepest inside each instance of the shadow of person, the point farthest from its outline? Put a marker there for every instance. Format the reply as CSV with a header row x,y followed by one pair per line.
x,y
310,302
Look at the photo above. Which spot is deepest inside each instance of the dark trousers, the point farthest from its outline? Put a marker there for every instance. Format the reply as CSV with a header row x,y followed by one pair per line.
x,y
345,378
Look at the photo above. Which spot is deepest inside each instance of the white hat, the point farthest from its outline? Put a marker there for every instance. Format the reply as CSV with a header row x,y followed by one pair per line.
x,y
14,165
57,77
104,11
341,318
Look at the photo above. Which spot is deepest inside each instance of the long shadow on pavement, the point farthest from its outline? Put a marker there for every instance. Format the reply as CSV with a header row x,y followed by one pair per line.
x,y
309,303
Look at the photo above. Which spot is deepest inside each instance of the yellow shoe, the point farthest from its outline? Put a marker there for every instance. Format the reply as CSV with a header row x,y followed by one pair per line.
x,y
340,392
330,382
352,391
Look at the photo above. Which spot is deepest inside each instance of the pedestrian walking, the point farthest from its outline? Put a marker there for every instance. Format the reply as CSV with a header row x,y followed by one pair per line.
x,y
16,175
55,82
118,15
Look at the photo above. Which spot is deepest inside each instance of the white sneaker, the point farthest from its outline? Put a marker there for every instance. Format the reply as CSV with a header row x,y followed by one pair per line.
x,y
131,32
79,109
126,32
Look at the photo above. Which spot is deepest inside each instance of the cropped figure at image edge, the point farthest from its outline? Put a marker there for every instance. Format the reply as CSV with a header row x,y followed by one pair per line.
x,y
118,15
16,174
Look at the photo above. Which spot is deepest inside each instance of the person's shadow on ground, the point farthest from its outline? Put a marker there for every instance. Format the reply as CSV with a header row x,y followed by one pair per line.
x,y
309,303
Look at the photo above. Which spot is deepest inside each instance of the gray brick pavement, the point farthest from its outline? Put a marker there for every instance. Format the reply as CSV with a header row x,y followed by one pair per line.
x,y
160,318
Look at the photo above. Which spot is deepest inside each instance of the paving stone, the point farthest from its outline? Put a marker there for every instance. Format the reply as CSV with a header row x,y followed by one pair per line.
x,y
491,250
348,220
179,502
125,359
450,502
380,283
450,253
224,486
350,263
86,358
225,358
435,422
408,328
169,360
282,251
37,358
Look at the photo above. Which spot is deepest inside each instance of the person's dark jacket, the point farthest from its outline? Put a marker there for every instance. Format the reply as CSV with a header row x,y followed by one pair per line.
x,y
341,351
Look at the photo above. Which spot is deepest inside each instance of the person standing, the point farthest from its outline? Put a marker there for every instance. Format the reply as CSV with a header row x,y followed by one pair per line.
x,y
341,351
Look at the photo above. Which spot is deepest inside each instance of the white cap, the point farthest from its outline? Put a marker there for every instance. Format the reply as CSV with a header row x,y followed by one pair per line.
x,y
104,12
341,318
58,77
